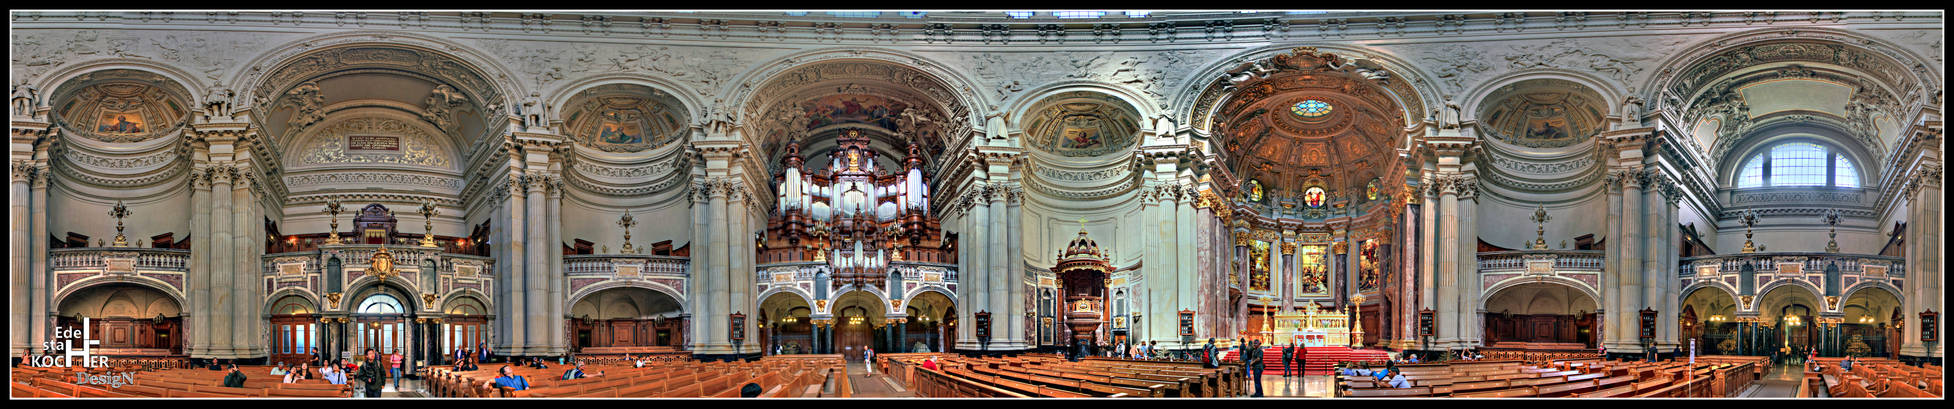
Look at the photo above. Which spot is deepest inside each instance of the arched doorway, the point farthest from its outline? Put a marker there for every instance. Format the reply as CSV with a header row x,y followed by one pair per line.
x,y
1540,313
1789,314
1709,317
932,316
785,324
381,320
129,319
626,317
294,330
858,314
1868,328
464,327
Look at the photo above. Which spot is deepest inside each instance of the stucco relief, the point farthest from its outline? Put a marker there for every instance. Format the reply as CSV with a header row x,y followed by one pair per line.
x,y
1151,73
703,69
329,145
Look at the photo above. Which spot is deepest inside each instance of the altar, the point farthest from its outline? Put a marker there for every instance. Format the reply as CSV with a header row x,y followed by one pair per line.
x,y
1310,326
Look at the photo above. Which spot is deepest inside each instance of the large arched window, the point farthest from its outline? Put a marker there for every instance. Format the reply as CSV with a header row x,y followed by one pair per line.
x,y
1798,164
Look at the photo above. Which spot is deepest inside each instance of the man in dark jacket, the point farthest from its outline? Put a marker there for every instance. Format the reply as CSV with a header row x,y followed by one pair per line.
x,y
1288,354
235,379
371,375
1252,356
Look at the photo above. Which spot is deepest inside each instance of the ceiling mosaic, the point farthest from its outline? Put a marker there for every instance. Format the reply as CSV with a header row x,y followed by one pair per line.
x,y
1543,113
1083,124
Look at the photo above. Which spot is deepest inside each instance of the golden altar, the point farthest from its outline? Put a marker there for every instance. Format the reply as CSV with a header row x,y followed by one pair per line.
x,y
1310,326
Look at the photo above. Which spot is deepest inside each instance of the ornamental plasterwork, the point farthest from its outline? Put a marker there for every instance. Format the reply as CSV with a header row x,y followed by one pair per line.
x,y
1150,73
1879,66
446,69
1056,174
1851,197
372,178
122,106
654,168
415,148
35,55
1078,195
624,118
1082,124
1542,168
165,173
77,156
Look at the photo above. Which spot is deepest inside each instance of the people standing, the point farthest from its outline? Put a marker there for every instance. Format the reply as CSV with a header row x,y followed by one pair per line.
x,y
370,375
234,379
1252,356
1288,354
1207,355
868,358
396,360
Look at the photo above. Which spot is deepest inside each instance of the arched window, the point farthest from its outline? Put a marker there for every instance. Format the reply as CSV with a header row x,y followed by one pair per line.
x,y
1798,164
381,304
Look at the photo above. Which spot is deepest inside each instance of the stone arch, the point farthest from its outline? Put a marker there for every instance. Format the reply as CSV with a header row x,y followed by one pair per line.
x,y
367,285
874,312
457,297
1712,285
1824,132
1412,87
1611,94
491,70
1764,295
1816,293
66,299
272,301
100,280
1487,296
1872,284
1020,108
686,96
931,288
611,284
52,81
677,304
796,291
1670,80
957,108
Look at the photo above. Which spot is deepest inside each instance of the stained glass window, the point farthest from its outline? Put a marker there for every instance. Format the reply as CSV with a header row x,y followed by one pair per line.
x,y
1311,109
1798,164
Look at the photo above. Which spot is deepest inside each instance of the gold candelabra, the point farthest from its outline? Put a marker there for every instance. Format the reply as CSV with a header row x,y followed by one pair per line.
x,y
332,208
1357,321
626,222
427,212
118,213
1540,219
1750,220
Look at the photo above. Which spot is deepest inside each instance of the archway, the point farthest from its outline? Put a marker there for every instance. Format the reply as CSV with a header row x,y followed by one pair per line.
x,y
294,329
931,326
1537,316
129,319
1789,313
786,324
625,319
1868,327
464,326
1709,317
858,315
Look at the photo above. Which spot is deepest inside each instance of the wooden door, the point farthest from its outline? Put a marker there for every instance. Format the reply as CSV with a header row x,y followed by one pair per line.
x,y
851,338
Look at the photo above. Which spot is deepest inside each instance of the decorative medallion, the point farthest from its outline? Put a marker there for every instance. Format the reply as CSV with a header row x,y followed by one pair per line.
x,y
1311,109
1315,197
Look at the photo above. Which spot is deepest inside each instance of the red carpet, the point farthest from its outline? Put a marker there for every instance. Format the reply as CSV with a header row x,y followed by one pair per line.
x,y
1319,361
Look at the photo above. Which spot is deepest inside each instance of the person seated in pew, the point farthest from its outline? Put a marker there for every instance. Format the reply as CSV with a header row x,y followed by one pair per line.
x,y
1413,358
279,369
333,374
639,362
235,379
1846,365
751,390
577,372
509,379
1398,380
930,363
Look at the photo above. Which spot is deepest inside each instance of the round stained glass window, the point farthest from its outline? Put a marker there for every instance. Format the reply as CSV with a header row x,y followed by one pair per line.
x,y
1311,109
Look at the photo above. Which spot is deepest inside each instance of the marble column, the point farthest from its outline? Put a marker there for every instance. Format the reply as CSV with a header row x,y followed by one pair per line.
x,y
1154,274
980,295
1612,270
245,272
1652,282
1428,247
1469,285
999,270
1632,268
1014,235
17,268
714,320
740,253
558,314
967,276
222,264
39,300
1672,290
535,265
515,257
1923,264
1449,331
1185,295
699,278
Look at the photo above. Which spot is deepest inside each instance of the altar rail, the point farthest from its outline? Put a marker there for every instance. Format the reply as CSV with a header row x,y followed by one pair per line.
x,y
1564,260
1812,262
607,264
96,258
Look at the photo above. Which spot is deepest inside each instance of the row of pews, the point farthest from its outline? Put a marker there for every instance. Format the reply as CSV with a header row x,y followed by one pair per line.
x,y
168,383
628,354
1053,376
1586,378
1871,378
778,376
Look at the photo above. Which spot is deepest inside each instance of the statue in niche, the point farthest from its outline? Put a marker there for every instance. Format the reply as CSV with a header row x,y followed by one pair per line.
x,y
1448,118
24,97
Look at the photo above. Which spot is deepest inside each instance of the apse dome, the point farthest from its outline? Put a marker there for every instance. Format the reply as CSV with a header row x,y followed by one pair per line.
x,y
122,106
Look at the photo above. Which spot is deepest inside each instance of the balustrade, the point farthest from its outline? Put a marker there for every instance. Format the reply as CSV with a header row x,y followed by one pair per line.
x,y
1564,260
97,258
1808,263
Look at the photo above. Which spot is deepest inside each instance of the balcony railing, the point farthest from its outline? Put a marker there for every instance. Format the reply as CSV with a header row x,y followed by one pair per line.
x,y
914,271
608,264
1563,260
1805,262
359,255
117,258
